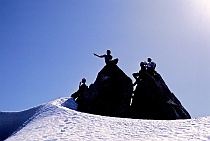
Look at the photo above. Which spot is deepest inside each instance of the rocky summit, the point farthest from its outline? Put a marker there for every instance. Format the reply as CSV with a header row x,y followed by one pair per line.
x,y
112,95
153,100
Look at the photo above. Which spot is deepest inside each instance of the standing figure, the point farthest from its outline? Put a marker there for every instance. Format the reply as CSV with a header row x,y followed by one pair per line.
x,y
80,94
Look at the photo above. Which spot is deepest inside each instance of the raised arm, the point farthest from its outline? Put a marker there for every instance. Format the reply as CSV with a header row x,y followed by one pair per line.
x,y
100,56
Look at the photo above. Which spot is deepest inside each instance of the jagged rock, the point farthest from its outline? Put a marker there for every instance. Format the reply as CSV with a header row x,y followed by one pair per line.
x,y
110,94
153,100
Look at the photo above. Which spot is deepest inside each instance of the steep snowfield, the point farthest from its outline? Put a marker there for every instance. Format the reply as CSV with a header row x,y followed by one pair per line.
x,y
53,121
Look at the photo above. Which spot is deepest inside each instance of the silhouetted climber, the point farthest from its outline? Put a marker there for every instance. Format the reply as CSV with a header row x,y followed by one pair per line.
x,y
138,75
107,56
80,94
150,66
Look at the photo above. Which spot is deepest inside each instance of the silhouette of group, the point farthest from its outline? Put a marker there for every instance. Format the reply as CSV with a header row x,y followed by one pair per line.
x,y
146,67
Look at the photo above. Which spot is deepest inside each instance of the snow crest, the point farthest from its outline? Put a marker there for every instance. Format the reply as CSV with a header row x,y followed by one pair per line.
x,y
55,121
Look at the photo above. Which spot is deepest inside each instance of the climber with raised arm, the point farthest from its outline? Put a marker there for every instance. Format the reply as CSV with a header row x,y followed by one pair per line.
x,y
107,56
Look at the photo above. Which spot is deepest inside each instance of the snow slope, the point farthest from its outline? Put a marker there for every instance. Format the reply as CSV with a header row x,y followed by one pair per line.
x,y
53,121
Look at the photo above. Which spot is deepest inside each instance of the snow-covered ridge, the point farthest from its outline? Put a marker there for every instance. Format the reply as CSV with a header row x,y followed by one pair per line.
x,y
54,121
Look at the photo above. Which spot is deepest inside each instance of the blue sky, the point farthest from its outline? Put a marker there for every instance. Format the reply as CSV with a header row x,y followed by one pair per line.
x,y
46,47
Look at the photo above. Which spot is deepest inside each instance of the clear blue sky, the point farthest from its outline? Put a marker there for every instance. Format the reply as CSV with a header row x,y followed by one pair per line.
x,y
46,47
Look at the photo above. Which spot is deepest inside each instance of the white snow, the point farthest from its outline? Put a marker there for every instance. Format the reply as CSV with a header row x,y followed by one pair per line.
x,y
54,122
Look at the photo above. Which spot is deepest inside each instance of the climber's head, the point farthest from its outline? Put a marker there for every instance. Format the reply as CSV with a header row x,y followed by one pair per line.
x,y
149,59
83,80
108,52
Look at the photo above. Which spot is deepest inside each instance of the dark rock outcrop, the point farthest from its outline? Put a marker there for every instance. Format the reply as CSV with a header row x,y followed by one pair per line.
x,y
110,94
153,100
